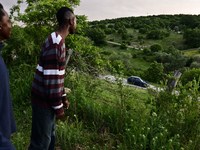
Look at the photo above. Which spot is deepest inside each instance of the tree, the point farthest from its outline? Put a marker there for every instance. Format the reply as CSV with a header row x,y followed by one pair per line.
x,y
192,37
195,65
122,30
146,51
124,36
108,31
41,12
156,47
176,28
102,26
171,61
157,34
154,34
143,30
110,26
171,49
155,72
97,35
118,65
123,46
190,75
40,20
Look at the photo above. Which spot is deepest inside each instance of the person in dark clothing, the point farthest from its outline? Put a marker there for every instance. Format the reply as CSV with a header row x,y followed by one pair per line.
x,y
7,121
47,93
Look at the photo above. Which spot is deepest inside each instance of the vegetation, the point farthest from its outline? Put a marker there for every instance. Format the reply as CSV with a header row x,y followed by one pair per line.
x,y
105,115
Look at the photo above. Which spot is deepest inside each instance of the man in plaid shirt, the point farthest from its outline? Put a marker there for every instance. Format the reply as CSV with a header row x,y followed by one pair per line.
x,y
47,93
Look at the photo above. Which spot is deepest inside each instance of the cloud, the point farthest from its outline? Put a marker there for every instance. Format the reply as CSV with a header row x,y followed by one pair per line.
x,y
98,10
7,4
102,9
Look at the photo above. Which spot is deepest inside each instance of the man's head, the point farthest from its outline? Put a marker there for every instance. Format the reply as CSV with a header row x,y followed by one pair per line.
x,y
5,25
66,18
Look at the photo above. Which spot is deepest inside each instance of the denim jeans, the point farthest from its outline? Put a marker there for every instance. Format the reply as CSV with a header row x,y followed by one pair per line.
x,y
5,144
43,128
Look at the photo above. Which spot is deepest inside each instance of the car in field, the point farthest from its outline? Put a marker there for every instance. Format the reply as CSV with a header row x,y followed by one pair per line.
x,y
137,81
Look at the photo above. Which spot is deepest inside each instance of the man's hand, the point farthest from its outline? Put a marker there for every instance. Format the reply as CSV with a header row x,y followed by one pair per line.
x,y
59,116
66,104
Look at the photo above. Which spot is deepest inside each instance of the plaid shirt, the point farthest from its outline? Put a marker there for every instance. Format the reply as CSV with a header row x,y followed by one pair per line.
x,y
48,84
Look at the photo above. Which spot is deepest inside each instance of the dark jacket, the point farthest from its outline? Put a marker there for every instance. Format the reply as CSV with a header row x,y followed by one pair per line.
x,y
7,121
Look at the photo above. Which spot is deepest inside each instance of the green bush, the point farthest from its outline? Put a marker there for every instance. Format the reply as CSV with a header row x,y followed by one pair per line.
x,y
123,46
189,75
194,65
156,47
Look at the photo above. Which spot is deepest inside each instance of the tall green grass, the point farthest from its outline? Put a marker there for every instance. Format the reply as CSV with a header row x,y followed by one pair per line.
x,y
105,115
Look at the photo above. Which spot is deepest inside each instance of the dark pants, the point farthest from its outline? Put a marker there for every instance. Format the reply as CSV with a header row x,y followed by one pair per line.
x,y
5,144
43,128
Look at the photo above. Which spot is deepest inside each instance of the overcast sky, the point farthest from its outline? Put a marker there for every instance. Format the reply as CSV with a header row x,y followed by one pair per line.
x,y
107,9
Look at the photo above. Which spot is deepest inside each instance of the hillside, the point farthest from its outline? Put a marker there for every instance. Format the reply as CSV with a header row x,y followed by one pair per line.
x,y
176,37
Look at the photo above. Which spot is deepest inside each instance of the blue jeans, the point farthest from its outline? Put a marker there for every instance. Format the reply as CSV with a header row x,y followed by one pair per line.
x,y
5,144
43,128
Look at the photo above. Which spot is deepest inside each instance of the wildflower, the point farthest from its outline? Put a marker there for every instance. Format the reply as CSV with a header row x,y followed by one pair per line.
x,y
154,114
148,128
156,137
143,136
142,128
133,135
74,115
178,135
182,148
190,141
161,134
153,139
170,140
128,129
165,130
141,145
131,120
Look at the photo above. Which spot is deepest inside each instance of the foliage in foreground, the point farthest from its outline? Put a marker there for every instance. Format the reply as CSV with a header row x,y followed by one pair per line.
x,y
112,116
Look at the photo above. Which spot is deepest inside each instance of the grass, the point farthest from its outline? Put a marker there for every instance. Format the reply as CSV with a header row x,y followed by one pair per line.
x,y
105,115
140,64
192,52
77,133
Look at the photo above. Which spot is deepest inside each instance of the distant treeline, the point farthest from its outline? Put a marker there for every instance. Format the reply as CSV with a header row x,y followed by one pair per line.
x,y
154,22
155,27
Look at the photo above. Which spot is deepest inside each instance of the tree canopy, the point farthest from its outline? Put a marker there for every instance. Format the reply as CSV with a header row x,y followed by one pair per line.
x,y
40,20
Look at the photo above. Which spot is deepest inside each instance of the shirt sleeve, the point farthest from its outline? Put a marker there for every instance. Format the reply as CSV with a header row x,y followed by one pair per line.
x,y
64,98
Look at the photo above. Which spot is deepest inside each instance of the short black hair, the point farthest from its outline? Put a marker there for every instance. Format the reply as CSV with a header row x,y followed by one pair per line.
x,y
2,13
63,14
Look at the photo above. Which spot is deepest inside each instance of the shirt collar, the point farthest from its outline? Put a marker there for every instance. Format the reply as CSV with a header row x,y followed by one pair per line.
x,y
1,46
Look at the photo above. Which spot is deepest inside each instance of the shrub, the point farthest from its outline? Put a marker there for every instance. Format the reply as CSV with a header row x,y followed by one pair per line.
x,y
190,75
106,53
194,65
124,36
118,65
156,47
123,46
146,51
155,72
